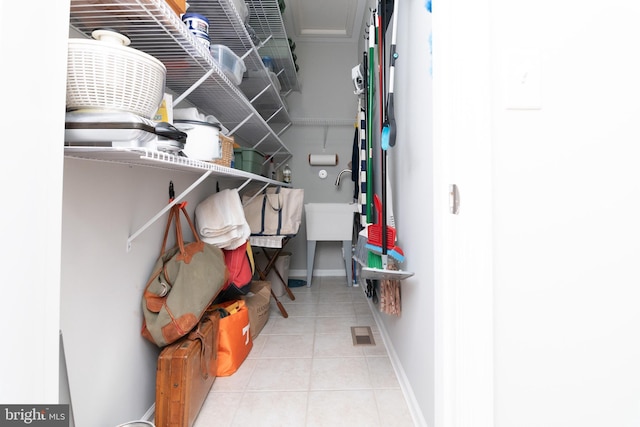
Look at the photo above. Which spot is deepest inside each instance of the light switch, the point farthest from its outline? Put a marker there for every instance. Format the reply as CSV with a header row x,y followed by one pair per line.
x,y
523,79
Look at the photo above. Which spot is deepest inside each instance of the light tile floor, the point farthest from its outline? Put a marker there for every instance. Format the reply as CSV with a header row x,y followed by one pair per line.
x,y
305,371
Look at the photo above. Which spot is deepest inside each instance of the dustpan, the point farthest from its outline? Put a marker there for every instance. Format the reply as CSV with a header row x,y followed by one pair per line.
x,y
375,230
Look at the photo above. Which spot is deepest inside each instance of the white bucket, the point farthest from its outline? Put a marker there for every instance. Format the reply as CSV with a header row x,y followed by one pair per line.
x,y
196,23
203,139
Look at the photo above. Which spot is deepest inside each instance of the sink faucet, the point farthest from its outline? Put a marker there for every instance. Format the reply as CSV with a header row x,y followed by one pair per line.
x,y
340,176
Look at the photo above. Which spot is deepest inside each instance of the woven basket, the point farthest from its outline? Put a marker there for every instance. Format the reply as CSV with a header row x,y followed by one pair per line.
x,y
227,151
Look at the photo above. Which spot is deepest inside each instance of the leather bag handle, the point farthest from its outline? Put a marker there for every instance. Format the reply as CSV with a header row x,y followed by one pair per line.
x,y
205,351
155,302
174,217
166,230
183,208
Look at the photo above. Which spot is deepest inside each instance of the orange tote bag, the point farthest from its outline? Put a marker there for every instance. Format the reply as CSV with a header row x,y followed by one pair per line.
x,y
234,336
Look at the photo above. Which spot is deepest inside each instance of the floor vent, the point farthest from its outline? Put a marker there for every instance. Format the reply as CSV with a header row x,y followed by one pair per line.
x,y
362,335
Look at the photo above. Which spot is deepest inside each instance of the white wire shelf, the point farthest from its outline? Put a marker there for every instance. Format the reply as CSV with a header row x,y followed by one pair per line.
x,y
367,272
227,28
266,20
162,160
154,28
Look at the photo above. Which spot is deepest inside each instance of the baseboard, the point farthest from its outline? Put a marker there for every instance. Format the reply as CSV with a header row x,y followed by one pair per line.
x,y
405,386
318,273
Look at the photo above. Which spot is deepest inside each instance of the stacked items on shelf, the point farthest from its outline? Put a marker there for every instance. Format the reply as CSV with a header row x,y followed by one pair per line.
x,y
113,92
265,18
192,73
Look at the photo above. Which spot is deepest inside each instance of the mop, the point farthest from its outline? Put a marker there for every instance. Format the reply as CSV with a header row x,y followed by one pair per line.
x,y
390,255
370,104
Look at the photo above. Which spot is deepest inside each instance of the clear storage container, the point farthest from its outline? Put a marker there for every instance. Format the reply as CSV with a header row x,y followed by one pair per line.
x,y
232,65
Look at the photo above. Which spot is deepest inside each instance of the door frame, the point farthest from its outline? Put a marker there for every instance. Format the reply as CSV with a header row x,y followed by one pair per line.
x,y
464,342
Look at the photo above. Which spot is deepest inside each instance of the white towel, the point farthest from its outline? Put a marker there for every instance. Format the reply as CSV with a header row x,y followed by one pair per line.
x,y
220,219
230,240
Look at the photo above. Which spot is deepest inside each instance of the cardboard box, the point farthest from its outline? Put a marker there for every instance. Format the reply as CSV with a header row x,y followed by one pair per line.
x,y
178,6
258,302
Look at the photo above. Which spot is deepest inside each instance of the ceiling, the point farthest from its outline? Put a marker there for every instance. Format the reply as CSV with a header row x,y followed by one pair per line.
x,y
326,20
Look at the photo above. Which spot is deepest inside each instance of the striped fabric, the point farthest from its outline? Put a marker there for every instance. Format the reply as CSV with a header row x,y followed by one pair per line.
x,y
362,129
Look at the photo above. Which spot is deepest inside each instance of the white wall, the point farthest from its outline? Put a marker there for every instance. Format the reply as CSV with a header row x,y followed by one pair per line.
x,y
31,176
411,175
326,95
111,366
566,217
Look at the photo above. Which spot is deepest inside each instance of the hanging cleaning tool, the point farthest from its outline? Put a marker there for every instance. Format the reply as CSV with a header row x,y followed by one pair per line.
x,y
382,233
381,47
358,79
389,126
375,233
383,153
370,108
375,239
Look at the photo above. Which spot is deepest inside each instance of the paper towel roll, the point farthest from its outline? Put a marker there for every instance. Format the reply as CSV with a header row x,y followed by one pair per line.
x,y
323,159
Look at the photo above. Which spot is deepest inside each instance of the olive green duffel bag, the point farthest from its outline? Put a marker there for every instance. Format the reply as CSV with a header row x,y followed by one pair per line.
x,y
184,282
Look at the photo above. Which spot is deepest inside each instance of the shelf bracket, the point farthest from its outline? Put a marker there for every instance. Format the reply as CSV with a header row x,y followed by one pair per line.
x,y
261,141
244,184
166,208
284,161
256,195
193,87
240,124
260,93
274,114
284,128
247,53
263,42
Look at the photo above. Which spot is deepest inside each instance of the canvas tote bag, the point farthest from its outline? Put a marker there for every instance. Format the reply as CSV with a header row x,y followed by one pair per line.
x,y
275,212
184,282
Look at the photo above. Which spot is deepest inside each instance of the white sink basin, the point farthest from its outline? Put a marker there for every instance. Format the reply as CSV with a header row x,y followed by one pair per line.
x,y
329,221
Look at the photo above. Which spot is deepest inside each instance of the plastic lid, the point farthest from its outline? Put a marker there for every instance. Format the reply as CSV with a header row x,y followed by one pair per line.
x,y
110,36
195,15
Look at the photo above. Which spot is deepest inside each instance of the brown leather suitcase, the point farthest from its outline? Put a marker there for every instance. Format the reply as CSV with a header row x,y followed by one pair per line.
x,y
185,373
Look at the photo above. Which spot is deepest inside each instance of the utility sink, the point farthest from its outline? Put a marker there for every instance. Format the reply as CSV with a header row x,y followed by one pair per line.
x,y
329,222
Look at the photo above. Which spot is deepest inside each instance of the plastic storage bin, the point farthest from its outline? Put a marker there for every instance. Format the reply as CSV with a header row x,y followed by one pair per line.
x,y
232,65
248,160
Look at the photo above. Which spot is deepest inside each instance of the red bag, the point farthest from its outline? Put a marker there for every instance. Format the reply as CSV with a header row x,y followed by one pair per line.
x,y
240,266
